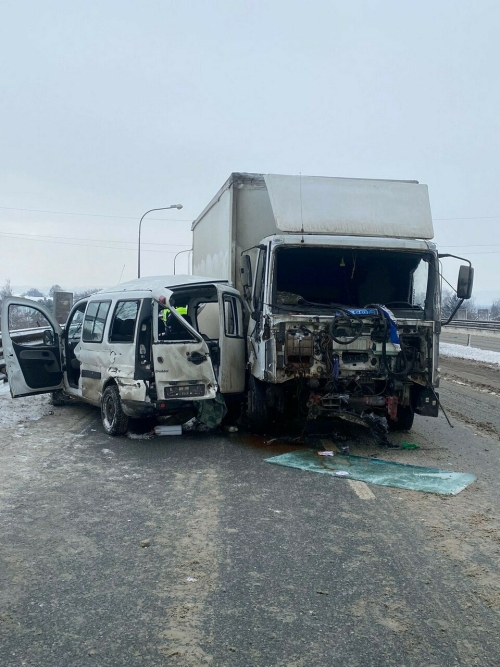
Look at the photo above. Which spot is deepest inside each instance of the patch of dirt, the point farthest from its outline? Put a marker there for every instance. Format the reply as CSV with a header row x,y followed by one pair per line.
x,y
481,376
486,428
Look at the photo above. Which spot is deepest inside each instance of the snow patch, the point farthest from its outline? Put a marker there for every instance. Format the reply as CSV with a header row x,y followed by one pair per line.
x,y
472,353
18,410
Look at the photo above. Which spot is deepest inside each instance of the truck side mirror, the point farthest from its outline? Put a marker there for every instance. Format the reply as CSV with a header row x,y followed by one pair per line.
x,y
465,282
246,272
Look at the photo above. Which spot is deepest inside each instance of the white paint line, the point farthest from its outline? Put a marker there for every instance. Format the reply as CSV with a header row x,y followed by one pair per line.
x,y
361,489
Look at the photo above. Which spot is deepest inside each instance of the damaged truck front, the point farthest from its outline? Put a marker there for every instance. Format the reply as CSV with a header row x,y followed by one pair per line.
x,y
342,286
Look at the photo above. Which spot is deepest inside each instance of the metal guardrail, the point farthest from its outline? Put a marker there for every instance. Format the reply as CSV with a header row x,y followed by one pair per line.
x,y
475,324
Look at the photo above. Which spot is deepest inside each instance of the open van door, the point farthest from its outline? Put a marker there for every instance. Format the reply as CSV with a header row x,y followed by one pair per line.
x,y
232,341
181,358
31,341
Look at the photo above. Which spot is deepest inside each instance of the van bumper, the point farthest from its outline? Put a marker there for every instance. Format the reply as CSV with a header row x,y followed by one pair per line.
x,y
138,409
141,410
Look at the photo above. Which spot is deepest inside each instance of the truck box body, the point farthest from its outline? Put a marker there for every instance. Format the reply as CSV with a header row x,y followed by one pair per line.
x,y
250,207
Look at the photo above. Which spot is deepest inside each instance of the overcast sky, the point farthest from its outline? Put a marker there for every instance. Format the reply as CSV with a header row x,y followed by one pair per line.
x,y
113,107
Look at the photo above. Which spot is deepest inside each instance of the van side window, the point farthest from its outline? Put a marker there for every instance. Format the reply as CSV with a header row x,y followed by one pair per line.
x,y
95,321
123,324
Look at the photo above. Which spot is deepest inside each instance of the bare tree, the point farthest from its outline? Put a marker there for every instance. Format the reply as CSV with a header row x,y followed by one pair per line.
x,y
495,310
449,301
55,288
5,292
33,292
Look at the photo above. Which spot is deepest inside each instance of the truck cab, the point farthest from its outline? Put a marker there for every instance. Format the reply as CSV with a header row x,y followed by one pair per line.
x,y
344,326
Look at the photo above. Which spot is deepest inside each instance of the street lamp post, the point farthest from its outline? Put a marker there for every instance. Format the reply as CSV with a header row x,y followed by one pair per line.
x,y
180,253
165,208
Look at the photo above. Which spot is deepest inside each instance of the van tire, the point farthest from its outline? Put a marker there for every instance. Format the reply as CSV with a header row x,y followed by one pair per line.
x,y
257,409
405,419
114,420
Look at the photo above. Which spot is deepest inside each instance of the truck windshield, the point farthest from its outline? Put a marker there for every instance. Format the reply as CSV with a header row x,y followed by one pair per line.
x,y
350,277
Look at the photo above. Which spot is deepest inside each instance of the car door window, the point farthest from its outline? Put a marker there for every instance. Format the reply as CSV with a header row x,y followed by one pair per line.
x,y
232,316
95,321
207,320
260,274
35,327
75,327
123,324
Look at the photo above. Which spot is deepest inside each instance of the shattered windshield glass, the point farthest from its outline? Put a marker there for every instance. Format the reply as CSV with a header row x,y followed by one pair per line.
x,y
319,277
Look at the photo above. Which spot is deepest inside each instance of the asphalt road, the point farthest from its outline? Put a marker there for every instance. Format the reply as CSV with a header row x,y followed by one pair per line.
x,y
288,568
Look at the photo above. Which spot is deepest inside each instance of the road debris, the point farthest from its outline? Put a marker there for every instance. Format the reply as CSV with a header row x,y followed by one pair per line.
x,y
165,429
145,543
409,445
377,471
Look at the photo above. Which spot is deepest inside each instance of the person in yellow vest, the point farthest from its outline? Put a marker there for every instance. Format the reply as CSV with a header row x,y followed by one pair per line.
x,y
167,323
182,310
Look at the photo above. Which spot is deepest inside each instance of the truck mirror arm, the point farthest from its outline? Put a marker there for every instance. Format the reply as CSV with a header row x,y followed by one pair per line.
x,y
459,304
446,254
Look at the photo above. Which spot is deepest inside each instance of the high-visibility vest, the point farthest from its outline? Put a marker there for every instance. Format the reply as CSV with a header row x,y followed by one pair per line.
x,y
182,310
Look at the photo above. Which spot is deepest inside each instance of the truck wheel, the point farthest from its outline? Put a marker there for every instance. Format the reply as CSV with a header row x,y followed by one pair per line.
x,y
114,420
257,410
405,419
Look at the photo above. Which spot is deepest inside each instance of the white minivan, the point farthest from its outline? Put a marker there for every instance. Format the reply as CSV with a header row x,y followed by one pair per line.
x,y
152,346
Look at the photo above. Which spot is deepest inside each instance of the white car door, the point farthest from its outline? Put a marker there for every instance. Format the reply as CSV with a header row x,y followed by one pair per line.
x,y
232,341
182,365
31,341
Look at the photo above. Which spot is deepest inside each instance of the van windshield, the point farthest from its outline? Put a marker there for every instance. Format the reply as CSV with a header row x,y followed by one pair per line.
x,y
306,277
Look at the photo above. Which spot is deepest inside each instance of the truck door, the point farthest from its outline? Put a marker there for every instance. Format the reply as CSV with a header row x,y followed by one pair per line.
x,y
181,359
231,342
31,340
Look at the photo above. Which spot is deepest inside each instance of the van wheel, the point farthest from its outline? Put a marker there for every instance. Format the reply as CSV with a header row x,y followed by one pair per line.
x,y
405,419
257,410
114,420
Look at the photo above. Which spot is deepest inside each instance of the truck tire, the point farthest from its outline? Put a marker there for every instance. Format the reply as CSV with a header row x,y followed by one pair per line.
x,y
257,410
114,420
405,419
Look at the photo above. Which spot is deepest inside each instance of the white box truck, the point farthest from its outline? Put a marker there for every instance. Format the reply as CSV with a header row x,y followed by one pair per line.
x,y
341,283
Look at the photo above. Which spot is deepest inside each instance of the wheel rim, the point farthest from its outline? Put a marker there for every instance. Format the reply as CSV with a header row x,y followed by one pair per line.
x,y
109,410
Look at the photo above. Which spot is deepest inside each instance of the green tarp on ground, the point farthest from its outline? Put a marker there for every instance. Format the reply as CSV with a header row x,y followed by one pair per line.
x,y
376,471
